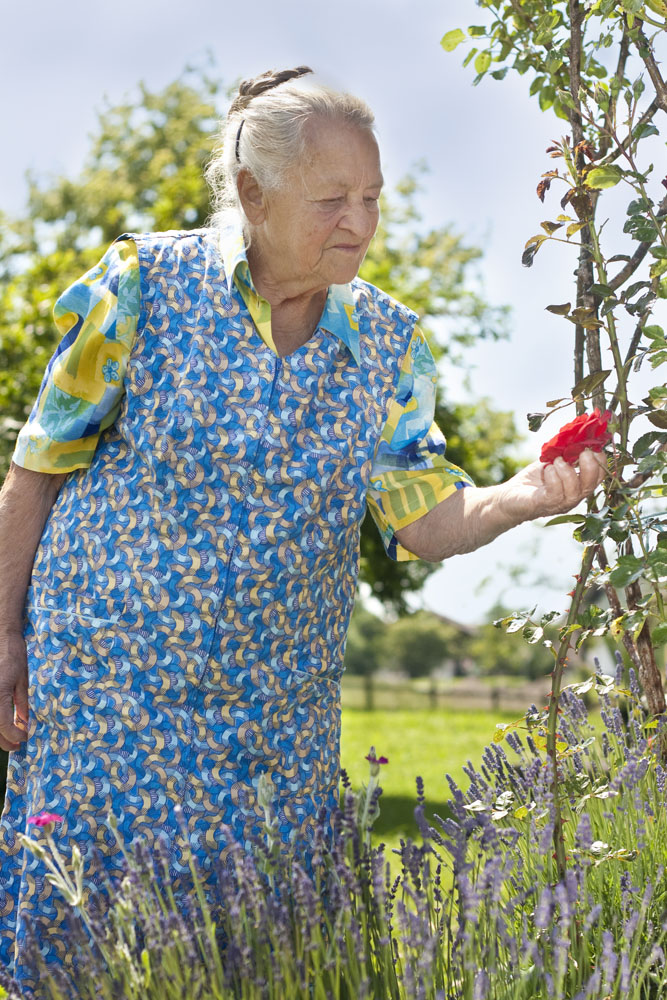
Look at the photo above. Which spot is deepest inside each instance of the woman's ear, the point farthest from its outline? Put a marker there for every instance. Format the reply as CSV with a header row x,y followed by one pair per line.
x,y
251,197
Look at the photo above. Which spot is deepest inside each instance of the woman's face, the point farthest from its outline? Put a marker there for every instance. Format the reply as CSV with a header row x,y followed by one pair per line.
x,y
315,230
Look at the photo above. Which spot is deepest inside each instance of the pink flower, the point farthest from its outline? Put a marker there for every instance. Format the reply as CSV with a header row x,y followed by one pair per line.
x,y
44,818
375,762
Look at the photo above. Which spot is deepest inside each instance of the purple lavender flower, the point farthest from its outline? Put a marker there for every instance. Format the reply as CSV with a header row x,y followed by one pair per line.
x,y
544,909
481,986
584,834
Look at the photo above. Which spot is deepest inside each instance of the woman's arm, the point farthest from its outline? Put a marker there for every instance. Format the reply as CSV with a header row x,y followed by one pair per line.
x,y
472,517
25,502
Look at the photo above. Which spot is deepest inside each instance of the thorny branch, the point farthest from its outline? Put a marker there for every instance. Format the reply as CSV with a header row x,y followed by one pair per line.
x,y
619,75
631,266
590,339
643,119
646,55
617,610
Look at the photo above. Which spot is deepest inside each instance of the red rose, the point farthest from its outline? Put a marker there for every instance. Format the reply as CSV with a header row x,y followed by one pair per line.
x,y
587,431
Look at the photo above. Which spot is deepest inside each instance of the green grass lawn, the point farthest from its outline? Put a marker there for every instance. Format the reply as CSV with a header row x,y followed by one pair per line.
x,y
429,743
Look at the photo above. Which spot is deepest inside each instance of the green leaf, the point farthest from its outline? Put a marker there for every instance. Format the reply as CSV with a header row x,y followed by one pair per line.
x,y
658,418
536,85
475,31
565,97
546,98
642,131
642,446
482,62
657,561
658,396
531,248
584,687
566,519
659,634
590,382
585,317
638,206
560,310
655,333
604,177
515,626
451,39
640,228
471,55
627,570
535,420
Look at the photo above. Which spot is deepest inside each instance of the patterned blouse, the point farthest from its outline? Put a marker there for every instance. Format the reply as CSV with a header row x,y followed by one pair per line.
x,y
82,389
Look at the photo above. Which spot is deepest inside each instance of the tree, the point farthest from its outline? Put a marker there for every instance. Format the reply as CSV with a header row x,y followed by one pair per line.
x,y
416,644
145,172
494,651
365,650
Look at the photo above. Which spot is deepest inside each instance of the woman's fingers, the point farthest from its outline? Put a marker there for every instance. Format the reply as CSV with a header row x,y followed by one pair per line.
x,y
562,482
592,470
566,486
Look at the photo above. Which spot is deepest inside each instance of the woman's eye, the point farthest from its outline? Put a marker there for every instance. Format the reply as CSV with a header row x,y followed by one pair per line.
x,y
332,202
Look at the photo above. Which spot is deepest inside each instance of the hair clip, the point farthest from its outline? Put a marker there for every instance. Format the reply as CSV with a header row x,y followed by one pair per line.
x,y
238,140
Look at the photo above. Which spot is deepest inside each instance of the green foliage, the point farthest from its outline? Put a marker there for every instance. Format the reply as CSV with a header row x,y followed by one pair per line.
x,y
496,651
416,644
364,652
143,171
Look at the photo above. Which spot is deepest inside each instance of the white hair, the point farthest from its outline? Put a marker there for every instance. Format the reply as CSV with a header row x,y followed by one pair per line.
x,y
265,133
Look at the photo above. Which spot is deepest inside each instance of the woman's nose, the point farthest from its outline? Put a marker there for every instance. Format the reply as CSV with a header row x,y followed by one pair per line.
x,y
359,220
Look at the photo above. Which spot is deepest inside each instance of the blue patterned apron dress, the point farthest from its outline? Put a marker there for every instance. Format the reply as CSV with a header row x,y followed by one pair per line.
x,y
192,591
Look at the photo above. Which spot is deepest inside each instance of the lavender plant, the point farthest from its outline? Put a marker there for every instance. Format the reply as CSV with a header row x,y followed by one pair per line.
x,y
476,912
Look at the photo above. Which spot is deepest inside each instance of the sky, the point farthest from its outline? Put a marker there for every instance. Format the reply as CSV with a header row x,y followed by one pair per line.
x,y
484,147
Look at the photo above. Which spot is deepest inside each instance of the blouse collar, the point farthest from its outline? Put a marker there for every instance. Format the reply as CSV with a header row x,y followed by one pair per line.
x,y
340,316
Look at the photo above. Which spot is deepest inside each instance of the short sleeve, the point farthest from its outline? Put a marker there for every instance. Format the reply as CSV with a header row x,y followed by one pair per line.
x,y
82,388
410,473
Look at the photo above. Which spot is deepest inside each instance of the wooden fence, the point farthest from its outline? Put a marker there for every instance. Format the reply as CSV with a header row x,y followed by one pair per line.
x,y
386,694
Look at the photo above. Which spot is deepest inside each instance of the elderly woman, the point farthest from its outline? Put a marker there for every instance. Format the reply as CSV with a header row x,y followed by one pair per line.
x,y
180,526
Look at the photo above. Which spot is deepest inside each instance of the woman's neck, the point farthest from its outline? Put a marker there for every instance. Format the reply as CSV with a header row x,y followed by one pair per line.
x,y
296,307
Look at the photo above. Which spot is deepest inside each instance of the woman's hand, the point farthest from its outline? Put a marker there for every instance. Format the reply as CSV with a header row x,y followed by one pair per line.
x,y
13,689
541,490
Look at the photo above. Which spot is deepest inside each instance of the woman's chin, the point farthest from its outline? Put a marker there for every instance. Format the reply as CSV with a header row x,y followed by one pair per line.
x,y
345,273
